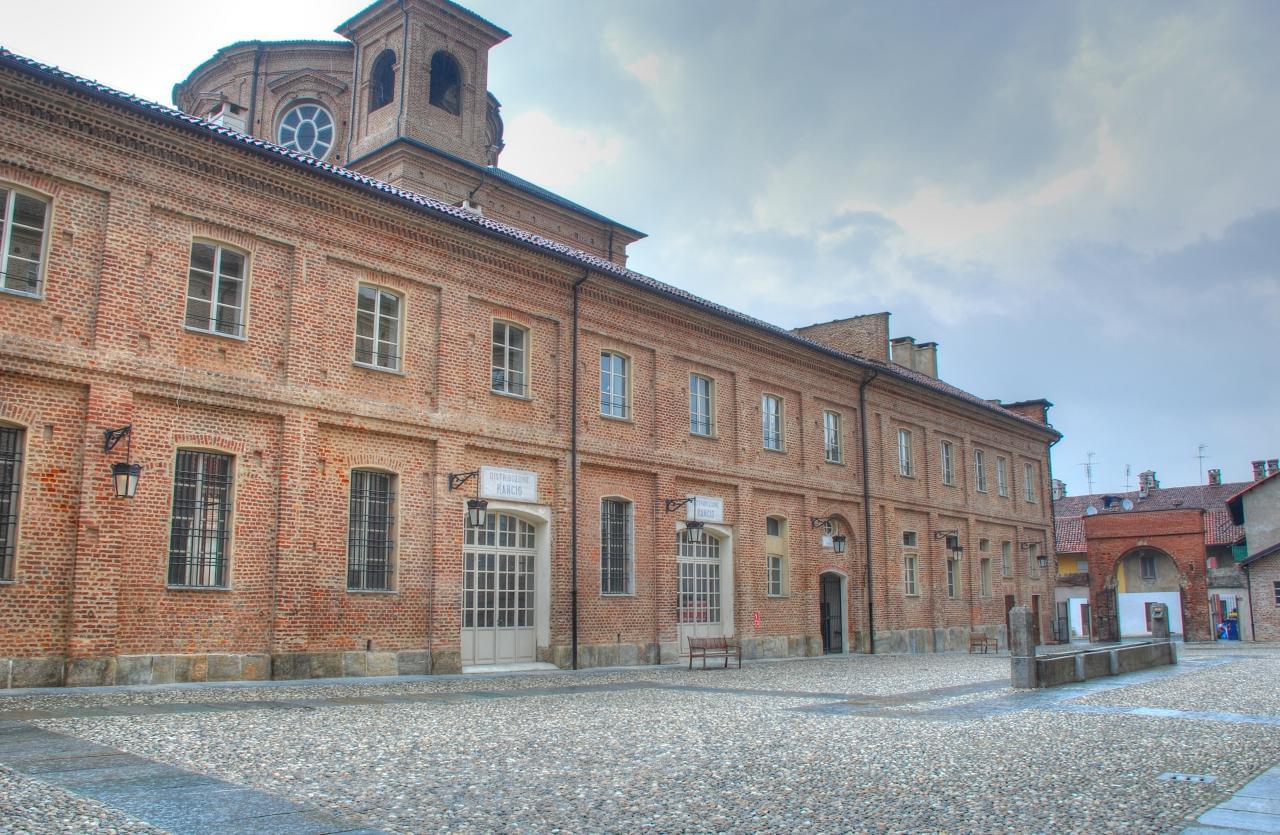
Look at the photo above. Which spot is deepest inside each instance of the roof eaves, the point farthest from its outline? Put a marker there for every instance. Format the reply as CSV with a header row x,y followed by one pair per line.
x,y
491,228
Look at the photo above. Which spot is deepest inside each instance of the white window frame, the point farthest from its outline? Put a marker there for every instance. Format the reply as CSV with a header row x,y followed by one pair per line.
x,y
776,417
376,342
608,553
1002,476
953,578
617,375
984,577
832,436
216,279
910,578
947,459
980,470
777,557
910,539
775,575
702,406
1006,558
906,454
6,240
501,376
1029,483
1143,561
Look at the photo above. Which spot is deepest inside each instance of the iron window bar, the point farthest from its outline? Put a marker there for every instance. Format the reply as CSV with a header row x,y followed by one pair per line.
x,y
10,490
201,515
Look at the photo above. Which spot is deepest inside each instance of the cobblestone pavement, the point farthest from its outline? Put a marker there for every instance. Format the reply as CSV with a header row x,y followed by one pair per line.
x,y
884,743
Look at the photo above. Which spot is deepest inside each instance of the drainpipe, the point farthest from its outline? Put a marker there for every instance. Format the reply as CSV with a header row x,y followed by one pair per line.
x,y
404,62
253,90
1053,532
866,506
356,77
573,477
1248,589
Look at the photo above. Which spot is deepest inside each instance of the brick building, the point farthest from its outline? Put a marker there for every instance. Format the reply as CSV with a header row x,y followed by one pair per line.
x,y
1256,508
1120,553
320,371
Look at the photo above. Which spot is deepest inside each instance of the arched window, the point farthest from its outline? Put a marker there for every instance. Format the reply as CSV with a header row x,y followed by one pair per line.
x,y
382,80
446,83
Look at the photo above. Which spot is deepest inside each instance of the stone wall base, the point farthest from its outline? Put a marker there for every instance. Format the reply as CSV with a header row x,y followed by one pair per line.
x,y
948,639
56,671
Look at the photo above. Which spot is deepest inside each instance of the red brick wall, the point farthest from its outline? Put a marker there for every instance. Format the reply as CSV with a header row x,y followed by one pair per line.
x,y
1263,575
289,404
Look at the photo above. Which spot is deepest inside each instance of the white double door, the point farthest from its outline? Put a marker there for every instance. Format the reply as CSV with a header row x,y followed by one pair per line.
x,y
700,587
498,562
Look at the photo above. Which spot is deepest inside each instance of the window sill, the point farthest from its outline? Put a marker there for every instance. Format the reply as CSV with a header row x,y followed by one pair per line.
x,y
901,474
782,451
915,594
777,596
370,367
197,588
9,291
512,395
706,436
621,594
371,591
839,463
218,334
617,419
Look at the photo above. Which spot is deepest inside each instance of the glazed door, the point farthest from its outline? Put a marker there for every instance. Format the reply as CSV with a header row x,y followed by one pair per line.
x,y
698,590
497,592
832,615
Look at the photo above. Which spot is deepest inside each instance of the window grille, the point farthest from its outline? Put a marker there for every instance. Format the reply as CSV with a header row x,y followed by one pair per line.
x,y
378,328
833,445
371,537
615,547
215,290
23,221
771,410
699,405
199,539
11,439
509,356
614,386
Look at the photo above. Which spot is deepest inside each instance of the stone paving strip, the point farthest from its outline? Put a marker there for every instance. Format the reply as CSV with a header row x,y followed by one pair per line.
x,y
170,798
1255,808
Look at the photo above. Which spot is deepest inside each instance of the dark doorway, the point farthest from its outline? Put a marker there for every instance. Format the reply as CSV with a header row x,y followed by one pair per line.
x,y
832,614
1009,602
1035,619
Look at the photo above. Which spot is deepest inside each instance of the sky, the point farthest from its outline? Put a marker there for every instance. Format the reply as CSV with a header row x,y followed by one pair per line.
x,y
1078,201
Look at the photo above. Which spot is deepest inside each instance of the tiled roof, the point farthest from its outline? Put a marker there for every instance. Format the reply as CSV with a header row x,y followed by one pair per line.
x,y
1068,535
1220,530
460,216
1201,497
1265,552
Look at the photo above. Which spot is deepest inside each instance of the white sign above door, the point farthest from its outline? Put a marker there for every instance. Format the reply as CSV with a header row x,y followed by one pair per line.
x,y
511,485
706,509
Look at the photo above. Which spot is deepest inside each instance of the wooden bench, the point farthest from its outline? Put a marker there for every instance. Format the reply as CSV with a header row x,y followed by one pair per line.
x,y
978,640
705,648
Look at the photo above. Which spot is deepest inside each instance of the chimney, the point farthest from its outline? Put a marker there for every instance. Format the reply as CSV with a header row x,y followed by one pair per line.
x,y
926,360
1273,466
228,115
903,351
1259,470
1215,478
1059,488
1147,482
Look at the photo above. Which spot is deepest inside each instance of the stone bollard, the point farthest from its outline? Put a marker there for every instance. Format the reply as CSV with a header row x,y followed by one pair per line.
x,y
1022,649
1160,630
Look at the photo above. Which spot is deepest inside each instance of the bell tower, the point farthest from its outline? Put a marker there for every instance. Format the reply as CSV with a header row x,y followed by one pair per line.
x,y
421,79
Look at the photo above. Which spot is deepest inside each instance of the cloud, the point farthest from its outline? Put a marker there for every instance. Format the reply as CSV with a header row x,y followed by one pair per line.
x,y
554,155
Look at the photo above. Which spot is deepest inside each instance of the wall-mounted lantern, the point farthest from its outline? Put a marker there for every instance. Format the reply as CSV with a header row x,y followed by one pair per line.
x,y
1042,558
476,508
693,529
955,551
838,542
124,474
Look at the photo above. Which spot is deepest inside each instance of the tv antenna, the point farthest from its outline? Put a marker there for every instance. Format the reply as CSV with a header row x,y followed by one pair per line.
x,y
1200,454
1128,471
1088,470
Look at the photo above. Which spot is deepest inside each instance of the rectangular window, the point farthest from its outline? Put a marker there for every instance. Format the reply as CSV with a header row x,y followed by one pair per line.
x,y
1033,560
775,575
833,443
909,586
980,470
700,405
984,578
1082,566
23,224
948,463
771,411
1275,587
984,545
772,526
200,536
1002,476
953,578
906,463
615,547
1029,482
215,289
1148,564
614,385
509,359
1006,554
909,539
371,539
11,443
378,328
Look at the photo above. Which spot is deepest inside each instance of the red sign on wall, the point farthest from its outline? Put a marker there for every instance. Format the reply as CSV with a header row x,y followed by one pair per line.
x,y
755,618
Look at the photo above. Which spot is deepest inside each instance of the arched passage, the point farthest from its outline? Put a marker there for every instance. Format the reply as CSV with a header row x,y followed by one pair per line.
x,y
1145,576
